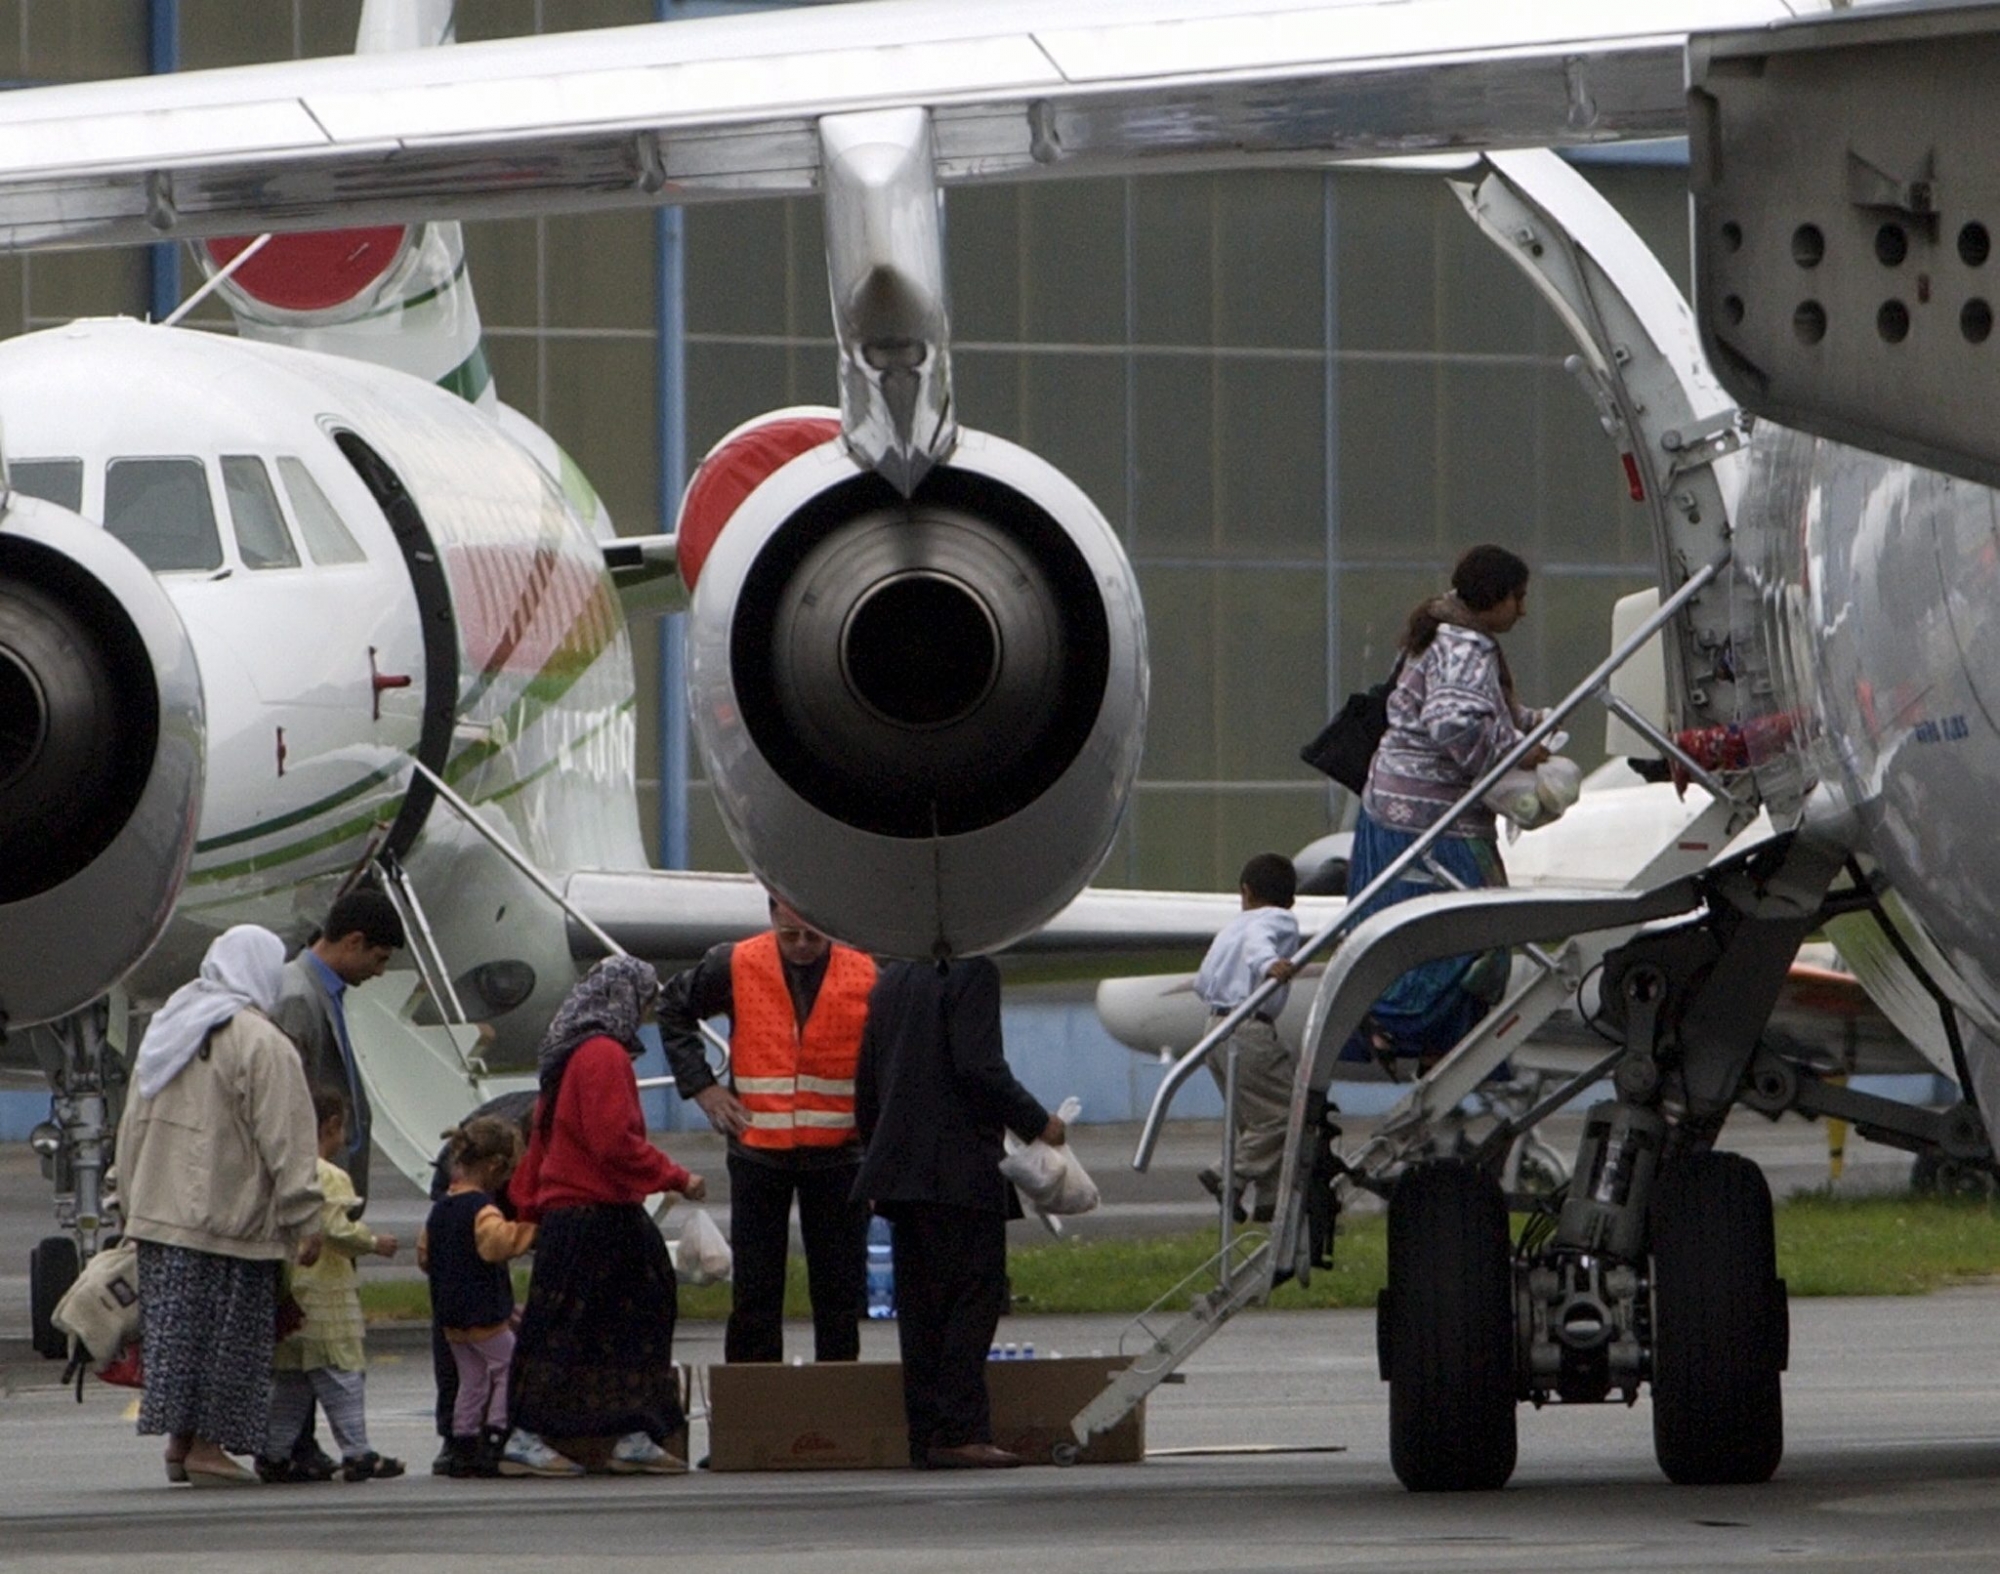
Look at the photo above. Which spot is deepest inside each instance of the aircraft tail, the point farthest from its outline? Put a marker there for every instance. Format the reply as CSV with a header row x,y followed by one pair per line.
x,y
394,294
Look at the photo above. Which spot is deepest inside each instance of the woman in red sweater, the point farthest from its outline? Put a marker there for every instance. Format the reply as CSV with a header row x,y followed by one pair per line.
x,y
595,1354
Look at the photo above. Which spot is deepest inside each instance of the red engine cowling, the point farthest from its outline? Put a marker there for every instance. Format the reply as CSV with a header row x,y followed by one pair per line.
x,y
921,716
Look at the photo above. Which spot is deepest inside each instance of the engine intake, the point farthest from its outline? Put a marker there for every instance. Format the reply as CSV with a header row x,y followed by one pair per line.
x,y
922,716
100,761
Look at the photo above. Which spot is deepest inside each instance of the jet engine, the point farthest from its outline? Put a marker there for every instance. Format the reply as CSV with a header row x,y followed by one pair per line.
x,y
921,715
100,761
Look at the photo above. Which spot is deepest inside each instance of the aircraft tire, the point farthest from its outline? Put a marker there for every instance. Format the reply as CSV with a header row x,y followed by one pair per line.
x,y
1446,1331
1720,1324
52,1269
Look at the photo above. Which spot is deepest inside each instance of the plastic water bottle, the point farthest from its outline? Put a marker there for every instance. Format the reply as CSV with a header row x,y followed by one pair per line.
x,y
1010,1351
881,1270
1028,1352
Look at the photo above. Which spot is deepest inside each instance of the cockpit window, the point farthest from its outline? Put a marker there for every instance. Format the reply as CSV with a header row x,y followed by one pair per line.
x,y
261,537
58,481
326,537
161,509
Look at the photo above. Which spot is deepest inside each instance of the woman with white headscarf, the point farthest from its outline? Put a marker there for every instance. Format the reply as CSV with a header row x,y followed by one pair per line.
x,y
217,1178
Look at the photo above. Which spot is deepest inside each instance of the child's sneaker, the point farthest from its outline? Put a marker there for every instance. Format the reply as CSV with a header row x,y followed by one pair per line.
x,y
637,1454
370,1466
527,1455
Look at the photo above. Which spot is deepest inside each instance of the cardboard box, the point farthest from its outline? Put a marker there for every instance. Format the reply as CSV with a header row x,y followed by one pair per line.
x,y
1035,1401
849,1415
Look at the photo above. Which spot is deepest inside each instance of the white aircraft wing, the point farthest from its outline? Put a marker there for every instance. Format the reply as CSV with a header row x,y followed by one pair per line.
x,y
672,917
726,106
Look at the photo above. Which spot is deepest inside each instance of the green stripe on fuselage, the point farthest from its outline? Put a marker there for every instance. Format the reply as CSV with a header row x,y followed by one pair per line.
x,y
297,816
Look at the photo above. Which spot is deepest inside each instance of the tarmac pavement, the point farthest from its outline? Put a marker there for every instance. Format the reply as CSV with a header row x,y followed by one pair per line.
x,y
1272,1455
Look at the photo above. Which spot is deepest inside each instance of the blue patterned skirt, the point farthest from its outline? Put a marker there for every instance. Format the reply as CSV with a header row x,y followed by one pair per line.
x,y
1434,1005
209,1325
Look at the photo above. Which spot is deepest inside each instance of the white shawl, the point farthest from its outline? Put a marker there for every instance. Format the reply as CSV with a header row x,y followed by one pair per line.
x,y
243,968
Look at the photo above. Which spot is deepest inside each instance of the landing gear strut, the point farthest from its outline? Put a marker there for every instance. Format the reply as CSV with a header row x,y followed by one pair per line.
x,y
86,1076
1658,1267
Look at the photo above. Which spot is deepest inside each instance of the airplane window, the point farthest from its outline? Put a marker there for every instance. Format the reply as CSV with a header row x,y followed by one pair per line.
x,y
161,509
58,481
261,536
326,537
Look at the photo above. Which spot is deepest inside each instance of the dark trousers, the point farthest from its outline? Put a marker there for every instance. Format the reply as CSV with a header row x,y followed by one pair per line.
x,y
951,1287
835,1231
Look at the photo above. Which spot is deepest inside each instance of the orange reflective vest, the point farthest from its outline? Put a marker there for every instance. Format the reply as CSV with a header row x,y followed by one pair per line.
x,y
797,1084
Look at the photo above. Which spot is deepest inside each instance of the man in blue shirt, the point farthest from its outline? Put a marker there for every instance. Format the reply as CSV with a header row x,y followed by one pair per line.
x,y
1254,945
362,932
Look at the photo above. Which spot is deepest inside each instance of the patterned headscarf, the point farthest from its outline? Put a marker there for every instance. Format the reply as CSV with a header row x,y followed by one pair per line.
x,y
608,1002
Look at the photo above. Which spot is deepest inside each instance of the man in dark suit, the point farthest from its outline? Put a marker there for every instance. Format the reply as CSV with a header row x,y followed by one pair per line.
x,y
931,1094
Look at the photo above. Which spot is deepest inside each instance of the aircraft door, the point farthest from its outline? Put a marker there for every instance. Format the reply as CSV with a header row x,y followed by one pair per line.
x,y
1677,432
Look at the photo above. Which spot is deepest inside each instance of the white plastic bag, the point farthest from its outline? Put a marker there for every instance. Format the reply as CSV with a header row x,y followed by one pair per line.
x,y
1052,1179
701,1255
1532,798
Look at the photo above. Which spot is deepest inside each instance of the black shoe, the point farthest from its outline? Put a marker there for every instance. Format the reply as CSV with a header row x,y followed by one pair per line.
x,y
272,1472
970,1456
487,1450
312,1463
1211,1182
371,1466
441,1466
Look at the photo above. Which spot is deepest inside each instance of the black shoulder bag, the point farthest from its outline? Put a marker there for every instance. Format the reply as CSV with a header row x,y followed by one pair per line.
x,y
1346,745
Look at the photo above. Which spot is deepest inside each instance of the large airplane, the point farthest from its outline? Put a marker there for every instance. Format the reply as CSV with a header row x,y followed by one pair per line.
x,y
917,662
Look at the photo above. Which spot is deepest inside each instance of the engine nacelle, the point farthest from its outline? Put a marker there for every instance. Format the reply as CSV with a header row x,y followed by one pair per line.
x,y
101,750
922,717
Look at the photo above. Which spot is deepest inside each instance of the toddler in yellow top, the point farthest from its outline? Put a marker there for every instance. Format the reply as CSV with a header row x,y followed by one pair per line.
x,y
324,1358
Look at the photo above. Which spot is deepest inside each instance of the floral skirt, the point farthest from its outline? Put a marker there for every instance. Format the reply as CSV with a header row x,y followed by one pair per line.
x,y
210,1323
595,1356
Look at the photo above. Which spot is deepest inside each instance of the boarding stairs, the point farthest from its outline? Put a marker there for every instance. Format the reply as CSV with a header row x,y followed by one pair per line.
x,y
1565,934
1676,434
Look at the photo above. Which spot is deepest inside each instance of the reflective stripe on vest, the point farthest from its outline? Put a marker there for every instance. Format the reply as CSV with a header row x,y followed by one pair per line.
x,y
798,1086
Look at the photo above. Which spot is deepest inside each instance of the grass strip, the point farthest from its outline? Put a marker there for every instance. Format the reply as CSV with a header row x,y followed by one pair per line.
x,y
1827,1245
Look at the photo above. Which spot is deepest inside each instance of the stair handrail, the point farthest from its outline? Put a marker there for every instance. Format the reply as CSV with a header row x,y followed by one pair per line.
x,y
1218,1031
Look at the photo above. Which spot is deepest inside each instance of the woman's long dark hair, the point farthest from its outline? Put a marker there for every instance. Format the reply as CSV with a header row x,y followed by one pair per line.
x,y
1481,580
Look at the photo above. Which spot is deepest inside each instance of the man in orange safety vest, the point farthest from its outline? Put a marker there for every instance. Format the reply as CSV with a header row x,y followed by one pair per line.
x,y
797,1002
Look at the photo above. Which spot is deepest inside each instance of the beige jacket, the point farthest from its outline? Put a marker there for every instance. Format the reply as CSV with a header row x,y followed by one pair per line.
x,y
224,1160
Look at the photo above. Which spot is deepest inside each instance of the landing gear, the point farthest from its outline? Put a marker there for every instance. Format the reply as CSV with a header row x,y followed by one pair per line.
x,y
1445,1331
52,1268
1720,1324
1934,1175
1537,1170
86,1073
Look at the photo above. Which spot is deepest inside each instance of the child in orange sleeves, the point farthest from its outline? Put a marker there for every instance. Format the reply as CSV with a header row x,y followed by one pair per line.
x,y
465,1247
